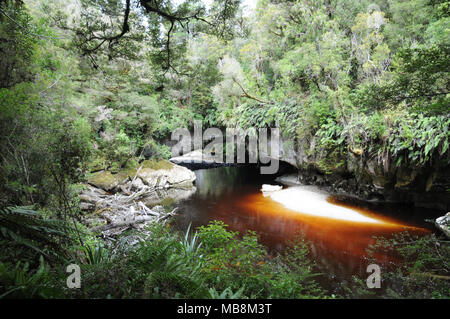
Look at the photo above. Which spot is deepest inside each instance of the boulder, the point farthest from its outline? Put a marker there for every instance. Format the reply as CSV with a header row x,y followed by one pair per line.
x,y
289,179
198,159
376,173
104,180
170,175
154,174
169,197
443,223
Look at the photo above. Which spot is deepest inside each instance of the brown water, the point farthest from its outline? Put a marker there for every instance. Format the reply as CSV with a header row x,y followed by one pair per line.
x,y
232,195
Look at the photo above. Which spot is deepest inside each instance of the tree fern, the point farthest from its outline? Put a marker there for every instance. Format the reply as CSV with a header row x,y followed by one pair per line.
x,y
25,227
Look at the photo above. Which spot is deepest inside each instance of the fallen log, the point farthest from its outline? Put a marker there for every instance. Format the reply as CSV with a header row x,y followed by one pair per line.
x,y
138,219
173,212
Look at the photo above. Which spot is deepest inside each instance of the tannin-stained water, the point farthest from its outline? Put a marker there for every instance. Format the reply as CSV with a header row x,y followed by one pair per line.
x,y
339,232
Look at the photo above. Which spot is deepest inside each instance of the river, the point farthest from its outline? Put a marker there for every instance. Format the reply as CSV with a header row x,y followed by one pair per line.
x,y
339,231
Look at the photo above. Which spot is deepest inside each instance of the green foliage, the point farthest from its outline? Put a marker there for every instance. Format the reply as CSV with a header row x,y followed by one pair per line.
x,y
191,245
169,265
94,254
419,79
244,265
120,149
19,281
416,140
225,294
25,227
168,268
18,41
423,269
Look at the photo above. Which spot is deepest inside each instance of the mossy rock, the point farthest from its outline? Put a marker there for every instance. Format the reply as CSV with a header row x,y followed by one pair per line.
x,y
132,166
157,164
104,180
114,168
154,173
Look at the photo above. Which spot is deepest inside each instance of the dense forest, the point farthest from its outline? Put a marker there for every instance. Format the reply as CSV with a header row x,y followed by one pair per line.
x,y
91,86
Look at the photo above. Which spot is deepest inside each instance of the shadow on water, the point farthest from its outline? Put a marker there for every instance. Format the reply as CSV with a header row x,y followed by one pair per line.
x,y
232,195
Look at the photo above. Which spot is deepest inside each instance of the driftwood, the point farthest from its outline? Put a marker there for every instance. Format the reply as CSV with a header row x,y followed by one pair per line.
x,y
163,217
138,219
123,210
134,178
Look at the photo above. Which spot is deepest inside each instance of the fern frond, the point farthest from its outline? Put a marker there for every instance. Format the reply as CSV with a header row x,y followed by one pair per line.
x,y
24,226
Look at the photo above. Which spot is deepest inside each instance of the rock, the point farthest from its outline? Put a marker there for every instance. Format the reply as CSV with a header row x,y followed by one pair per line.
x,y
429,182
137,184
271,188
86,206
405,176
288,179
369,176
376,173
197,160
98,164
171,176
104,180
443,223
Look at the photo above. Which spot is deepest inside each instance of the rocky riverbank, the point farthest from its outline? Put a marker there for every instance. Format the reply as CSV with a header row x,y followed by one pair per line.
x,y
371,177
134,197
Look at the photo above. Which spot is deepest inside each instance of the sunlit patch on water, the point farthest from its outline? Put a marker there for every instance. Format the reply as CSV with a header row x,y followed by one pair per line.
x,y
339,230
312,202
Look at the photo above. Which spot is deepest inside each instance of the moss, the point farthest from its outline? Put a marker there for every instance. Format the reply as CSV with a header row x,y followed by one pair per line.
x,y
107,180
131,164
405,176
131,169
167,202
332,163
104,180
114,168
157,164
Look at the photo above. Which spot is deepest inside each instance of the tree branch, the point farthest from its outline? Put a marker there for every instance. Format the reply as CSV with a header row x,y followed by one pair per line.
x,y
245,94
125,29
